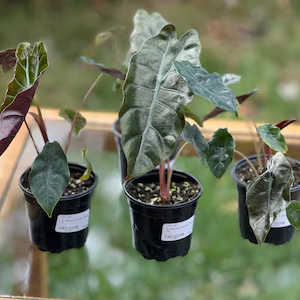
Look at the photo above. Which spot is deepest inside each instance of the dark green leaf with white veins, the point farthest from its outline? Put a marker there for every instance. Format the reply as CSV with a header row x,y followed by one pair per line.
x,y
152,114
193,135
220,152
293,214
273,137
49,176
208,85
69,115
268,195
144,26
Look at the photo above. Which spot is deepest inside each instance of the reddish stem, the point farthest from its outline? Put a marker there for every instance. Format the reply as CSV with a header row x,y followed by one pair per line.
x,y
164,194
77,113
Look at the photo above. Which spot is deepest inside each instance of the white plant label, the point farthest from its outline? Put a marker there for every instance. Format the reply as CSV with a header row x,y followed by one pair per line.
x,y
281,220
72,223
177,231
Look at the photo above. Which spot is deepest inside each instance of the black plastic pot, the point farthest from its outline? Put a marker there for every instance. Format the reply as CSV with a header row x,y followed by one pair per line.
x,y
161,232
122,158
281,232
68,227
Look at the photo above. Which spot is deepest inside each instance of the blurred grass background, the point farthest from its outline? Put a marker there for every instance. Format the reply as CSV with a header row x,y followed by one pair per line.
x,y
258,40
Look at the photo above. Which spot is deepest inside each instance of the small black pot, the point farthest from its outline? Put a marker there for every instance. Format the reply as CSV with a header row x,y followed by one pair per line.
x,y
122,158
278,234
161,232
68,227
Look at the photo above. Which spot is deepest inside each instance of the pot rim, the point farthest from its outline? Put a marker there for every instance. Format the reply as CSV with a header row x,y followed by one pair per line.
x,y
63,198
165,206
115,130
242,161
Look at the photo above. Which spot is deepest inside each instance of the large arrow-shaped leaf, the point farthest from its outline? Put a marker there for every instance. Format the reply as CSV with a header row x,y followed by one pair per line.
x,y
220,152
269,194
208,85
49,176
145,26
272,136
31,63
152,114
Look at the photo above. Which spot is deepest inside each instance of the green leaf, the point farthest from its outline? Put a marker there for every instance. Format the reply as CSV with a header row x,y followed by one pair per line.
x,y
208,85
273,137
193,135
31,64
145,26
188,113
293,214
216,111
230,79
152,114
220,152
89,168
69,115
49,176
269,194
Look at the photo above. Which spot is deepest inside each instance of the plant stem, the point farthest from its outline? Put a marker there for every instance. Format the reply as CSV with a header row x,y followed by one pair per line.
x,y
248,161
164,191
77,113
171,168
44,134
29,131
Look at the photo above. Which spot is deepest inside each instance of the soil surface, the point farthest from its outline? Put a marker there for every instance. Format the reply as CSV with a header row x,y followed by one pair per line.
x,y
246,173
75,186
149,192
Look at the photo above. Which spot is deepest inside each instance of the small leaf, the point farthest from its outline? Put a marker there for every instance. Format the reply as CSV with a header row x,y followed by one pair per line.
x,y
105,70
285,123
8,59
193,135
268,195
49,176
31,64
89,168
69,115
293,214
272,136
220,152
188,113
102,37
230,79
207,85
216,111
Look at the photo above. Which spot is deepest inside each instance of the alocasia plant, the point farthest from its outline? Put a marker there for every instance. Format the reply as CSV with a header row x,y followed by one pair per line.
x,y
163,73
268,194
50,173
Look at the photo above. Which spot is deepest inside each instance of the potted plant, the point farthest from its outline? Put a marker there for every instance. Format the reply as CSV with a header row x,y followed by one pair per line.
x,y
266,186
145,26
57,193
162,76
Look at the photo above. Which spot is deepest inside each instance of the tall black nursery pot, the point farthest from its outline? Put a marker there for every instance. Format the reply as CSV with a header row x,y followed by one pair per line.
x,y
281,230
161,232
121,155
68,227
